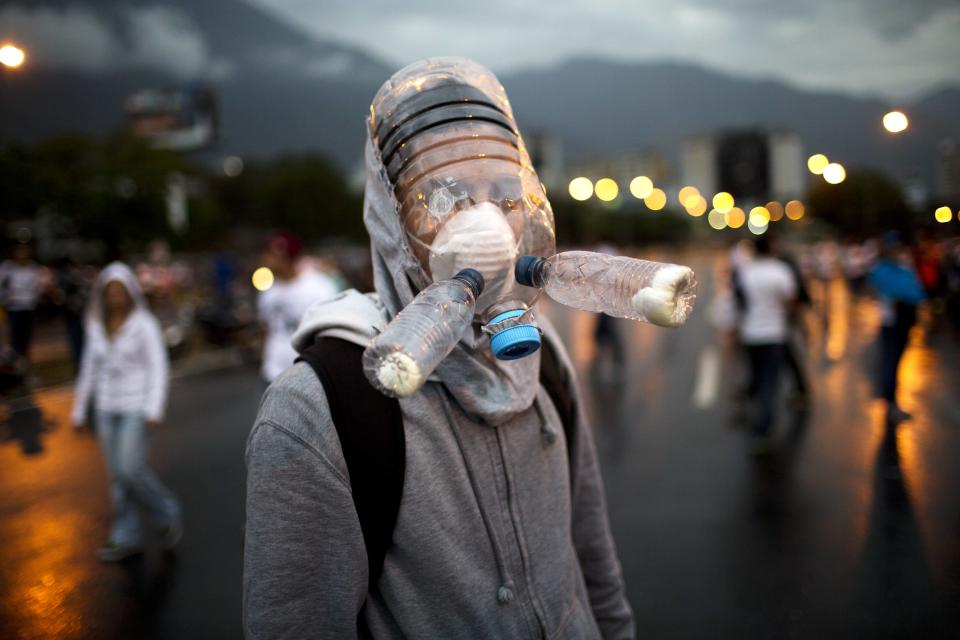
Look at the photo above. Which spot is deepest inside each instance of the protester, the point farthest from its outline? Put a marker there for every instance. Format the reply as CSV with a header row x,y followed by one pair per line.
x,y
500,527
20,290
900,292
124,368
282,305
72,296
769,289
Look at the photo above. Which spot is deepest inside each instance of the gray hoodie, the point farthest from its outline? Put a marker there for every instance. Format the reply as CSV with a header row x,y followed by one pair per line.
x,y
499,535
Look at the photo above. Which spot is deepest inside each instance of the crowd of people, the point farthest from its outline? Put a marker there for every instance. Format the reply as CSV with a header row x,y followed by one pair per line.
x,y
769,292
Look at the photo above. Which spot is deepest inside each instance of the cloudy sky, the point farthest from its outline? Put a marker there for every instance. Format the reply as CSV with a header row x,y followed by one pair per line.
x,y
892,47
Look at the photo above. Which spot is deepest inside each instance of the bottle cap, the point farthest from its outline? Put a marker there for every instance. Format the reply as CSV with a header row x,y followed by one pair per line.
x,y
473,279
518,341
527,271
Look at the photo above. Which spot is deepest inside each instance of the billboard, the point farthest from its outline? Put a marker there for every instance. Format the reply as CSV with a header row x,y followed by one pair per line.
x,y
178,119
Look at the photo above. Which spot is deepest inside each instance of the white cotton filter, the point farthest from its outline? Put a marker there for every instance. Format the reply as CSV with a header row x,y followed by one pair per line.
x,y
477,238
659,302
400,375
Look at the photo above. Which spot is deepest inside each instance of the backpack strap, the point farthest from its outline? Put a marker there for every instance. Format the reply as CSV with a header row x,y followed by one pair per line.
x,y
370,428
556,382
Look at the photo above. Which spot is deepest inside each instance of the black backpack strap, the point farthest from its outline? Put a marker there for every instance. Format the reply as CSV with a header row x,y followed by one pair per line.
x,y
370,428
556,381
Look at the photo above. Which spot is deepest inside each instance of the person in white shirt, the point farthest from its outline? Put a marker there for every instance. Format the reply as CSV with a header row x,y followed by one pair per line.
x,y
124,368
769,289
20,290
282,305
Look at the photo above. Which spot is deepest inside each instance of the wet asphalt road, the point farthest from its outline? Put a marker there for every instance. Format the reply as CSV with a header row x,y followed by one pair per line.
x,y
847,530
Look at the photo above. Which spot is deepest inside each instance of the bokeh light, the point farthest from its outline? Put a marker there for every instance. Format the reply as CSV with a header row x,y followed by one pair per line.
x,y
11,56
262,279
817,163
795,210
735,218
656,200
834,173
687,194
943,214
580,188
723,202
717,219
759,217
606,189
776,211
696,206
757,229
640,187
895,122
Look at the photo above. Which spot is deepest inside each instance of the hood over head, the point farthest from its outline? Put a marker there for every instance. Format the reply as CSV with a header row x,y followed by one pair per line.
x,y
453,144
114,272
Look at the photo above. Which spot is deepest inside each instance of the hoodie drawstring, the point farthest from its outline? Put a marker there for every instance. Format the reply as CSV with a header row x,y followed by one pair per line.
x,y
506,591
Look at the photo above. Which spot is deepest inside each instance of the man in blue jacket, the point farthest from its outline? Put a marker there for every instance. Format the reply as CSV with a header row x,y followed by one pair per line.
x,y
900,292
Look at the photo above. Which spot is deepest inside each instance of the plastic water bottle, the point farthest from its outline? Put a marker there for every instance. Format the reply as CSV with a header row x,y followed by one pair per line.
x,y
655,292
398,361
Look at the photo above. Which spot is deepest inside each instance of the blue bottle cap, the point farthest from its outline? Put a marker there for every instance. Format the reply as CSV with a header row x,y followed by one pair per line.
x,y
518,341
527,271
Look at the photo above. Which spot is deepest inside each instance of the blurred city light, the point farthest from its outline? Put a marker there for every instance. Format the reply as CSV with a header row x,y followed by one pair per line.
x,y
11,56
640,187
723,202
834,173
696,206
717,219
262,279
895,122
759,217
656,200
776,211
735,218
795,210
607,189
817,163
756,229
581,188
232,166
687,194
943,214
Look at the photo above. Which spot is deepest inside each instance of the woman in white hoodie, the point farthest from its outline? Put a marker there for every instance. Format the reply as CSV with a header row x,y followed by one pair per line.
x,y
125,369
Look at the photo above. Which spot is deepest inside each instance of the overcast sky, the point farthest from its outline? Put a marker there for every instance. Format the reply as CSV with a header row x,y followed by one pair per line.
x,y
891,47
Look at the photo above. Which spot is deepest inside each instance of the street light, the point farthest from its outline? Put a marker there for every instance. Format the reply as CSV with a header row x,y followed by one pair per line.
x,y
943,214
834,173
895,122
11,56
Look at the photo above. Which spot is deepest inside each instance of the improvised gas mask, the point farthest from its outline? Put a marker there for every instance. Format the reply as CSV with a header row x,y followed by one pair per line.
x,y
466,191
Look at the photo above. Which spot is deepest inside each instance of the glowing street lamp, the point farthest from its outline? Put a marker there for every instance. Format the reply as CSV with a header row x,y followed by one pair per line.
x,y
581,188
11,56
943,214
607,189
817,163
895,122
834,173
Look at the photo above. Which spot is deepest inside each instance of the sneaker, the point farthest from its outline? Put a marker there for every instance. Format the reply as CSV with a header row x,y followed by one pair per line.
x,y
111,551
170,534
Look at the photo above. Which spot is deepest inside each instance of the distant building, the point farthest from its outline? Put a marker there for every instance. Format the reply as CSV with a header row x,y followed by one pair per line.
x,y
546,153
625,167
752,165
948,171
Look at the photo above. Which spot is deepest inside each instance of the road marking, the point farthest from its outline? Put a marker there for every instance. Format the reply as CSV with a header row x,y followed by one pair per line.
x,y
708,378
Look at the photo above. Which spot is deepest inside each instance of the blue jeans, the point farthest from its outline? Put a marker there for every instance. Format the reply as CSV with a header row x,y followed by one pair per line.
x,y
123,438
766,361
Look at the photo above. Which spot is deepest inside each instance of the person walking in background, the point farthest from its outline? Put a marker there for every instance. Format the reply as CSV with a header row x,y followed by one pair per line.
x,y
71,295
769,288
282,305
900,292
124,367
20,289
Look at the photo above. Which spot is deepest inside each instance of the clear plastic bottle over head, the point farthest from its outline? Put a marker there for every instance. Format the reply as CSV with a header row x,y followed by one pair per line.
x,y
398,361
655,292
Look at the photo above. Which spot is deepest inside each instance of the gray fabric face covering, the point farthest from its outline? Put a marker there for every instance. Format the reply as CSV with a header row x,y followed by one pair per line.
x,y
488,390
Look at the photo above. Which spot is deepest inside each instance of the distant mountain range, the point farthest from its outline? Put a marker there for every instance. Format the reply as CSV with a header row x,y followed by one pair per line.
x,y
282,90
